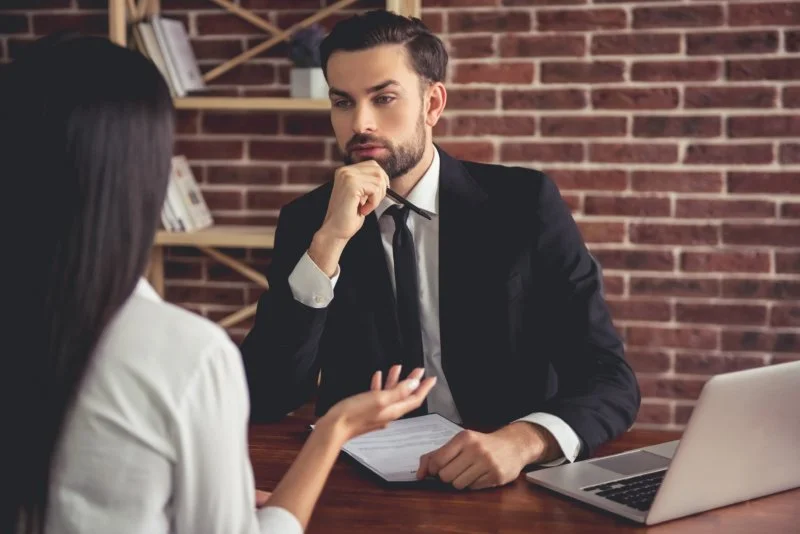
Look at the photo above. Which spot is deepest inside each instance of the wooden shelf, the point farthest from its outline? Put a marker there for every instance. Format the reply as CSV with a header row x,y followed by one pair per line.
x,y
227,236
248,103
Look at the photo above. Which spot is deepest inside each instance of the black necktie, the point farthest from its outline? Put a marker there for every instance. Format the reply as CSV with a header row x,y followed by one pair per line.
x,y
407,293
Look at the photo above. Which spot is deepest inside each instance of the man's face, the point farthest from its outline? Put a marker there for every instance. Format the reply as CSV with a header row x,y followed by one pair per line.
x,y
377,108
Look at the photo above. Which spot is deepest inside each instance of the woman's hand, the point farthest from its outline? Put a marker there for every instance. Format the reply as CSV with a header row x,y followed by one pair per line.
x,y
376,408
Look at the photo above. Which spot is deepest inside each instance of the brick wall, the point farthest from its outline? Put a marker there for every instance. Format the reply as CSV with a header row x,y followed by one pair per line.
x,y
670,126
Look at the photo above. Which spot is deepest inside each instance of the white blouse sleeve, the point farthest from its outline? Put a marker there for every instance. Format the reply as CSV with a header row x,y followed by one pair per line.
x,y
214,484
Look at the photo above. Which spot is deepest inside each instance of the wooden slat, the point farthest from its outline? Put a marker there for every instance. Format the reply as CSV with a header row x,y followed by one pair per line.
x,y
249,16
117,22
261,237
409,8
238,266
245,103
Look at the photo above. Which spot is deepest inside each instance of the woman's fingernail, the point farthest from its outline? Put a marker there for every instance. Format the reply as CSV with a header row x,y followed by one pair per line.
x,y
413,384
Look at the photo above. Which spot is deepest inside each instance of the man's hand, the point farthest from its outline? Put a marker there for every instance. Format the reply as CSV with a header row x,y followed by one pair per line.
x,y
474,460
357,191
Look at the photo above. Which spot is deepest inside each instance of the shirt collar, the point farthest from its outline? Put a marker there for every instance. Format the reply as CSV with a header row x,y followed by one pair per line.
x,y
144,289
425,193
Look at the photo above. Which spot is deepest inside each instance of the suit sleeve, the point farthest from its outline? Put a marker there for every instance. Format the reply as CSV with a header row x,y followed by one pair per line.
x,y
598,395
280,351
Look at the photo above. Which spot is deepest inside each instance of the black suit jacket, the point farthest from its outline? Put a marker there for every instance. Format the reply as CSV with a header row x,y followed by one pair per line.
x,y
524,325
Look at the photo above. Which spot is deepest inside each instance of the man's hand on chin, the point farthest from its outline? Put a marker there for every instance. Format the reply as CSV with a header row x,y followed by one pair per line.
x,y
475,460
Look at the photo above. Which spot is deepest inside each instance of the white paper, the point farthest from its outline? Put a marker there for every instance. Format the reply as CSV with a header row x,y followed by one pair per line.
x,y
394,452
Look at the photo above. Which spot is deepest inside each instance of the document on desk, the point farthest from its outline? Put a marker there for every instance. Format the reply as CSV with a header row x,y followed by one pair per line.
x,y
393,452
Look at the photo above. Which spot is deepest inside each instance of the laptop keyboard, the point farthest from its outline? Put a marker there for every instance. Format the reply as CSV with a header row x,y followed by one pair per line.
x,y
637,492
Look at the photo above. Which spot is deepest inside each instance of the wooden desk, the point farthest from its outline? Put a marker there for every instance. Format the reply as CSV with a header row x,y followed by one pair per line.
x,y
354,502
208,241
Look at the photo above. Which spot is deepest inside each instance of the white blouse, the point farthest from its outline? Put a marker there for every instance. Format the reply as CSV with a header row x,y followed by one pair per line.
x,y
157,439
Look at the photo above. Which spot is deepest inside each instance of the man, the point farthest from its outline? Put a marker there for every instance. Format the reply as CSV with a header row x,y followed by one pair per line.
x,y
496,295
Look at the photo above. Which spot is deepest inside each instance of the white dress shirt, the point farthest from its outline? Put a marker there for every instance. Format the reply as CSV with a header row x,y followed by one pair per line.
x,y
310,286
157,439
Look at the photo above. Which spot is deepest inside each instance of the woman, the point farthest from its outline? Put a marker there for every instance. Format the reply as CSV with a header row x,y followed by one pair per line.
x,y
124,413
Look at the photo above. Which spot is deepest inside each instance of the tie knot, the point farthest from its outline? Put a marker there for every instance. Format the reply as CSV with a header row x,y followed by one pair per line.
x,y
399,214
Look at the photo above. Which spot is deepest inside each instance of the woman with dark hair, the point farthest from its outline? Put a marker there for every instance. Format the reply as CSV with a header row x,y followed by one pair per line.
x,y
124,413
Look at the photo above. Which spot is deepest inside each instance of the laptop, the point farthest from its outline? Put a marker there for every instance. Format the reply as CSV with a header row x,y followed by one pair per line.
x,y
742,442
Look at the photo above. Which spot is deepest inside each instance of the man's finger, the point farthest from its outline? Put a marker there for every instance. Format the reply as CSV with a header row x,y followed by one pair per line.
x,y
448,473
483,482
422,470
470,475
444,454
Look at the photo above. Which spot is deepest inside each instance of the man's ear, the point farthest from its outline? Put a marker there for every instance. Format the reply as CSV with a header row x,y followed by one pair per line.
x,y
435,101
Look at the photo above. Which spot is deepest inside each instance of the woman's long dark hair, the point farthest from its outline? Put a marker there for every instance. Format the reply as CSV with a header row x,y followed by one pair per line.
x,y
85,144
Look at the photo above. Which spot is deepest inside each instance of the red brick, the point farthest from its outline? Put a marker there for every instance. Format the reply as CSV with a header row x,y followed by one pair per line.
x,y
541,152
785,315
671,388
787,262
488,21
738,314
588,180
584,126
270,200
763,69
507,126
627,206
246,74
494,73
761,341
613,285
542,2
655,98
675,287
728,43
459,3
250,122
640,310
224,200
729,154
581,20
279,150
789,153
434,22
765,235
205,49
674,234
542,45
471,99
307,124
245,174
44,4
651,413
471,47
724,209
680,338
730,97
199,294
764,126
633,260
790,210
582,72
602,232
471,151
183,269
246,219
713,364
668,71
574,202
682,413
14,24
748,288
625,44
209,149
224,24
187,121
792,40
764,182
542,99
644,361
633,153
677,17
764,14
670,126
679,182
86,23
310,174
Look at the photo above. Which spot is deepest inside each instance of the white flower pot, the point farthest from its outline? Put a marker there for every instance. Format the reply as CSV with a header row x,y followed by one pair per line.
x,y
308,83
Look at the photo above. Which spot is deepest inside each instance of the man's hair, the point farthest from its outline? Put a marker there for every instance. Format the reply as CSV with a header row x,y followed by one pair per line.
x,y
426,52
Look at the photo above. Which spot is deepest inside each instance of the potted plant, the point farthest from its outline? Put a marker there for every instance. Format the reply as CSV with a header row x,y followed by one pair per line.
x,y
306,78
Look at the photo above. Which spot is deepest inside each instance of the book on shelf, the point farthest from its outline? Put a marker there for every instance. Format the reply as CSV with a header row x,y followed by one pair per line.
x,y
166,42
185,209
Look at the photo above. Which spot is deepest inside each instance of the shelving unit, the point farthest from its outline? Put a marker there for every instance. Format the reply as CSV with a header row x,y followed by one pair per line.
x,y
121,13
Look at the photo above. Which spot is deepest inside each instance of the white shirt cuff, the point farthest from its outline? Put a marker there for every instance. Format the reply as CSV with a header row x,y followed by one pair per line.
x,y
311,286
567,439
273,519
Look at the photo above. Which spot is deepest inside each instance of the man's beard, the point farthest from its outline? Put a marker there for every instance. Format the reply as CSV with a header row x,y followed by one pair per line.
x,y
401,158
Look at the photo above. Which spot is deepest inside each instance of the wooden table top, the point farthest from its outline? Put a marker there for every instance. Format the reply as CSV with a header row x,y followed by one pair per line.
x,y
355,501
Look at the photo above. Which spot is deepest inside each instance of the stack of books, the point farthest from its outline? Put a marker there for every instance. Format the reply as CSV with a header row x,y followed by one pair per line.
x,y
166,42
185,209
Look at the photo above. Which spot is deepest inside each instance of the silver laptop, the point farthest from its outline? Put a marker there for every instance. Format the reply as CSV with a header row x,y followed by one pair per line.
x,y
742,442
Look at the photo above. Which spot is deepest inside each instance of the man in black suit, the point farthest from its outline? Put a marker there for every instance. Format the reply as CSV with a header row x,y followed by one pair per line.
x,y
496,295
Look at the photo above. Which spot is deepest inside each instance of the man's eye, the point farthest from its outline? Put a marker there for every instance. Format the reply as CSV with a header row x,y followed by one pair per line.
x,y
384,99
341,104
